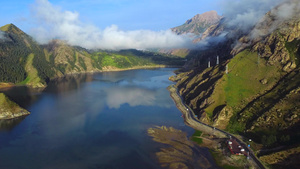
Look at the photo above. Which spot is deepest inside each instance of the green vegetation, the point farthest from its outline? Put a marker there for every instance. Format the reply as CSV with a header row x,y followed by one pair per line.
x,y
32,73
293,49
23,61
14,51
105,59
5,102
9,109
245,75
82,63
196,137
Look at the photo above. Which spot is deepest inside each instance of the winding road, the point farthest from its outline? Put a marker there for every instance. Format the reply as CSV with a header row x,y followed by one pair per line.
x,y
193,122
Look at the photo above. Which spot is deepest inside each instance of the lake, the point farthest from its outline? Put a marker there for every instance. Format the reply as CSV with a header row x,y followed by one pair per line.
x,y
91,121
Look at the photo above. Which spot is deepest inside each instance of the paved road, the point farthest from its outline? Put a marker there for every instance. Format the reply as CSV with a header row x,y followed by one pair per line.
x,y
192,116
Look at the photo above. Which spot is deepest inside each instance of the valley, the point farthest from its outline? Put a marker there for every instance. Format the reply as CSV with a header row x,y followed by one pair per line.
x,y
237,79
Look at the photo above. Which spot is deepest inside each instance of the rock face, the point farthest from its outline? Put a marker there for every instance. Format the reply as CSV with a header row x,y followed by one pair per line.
x,y
222,118
9,109
198,24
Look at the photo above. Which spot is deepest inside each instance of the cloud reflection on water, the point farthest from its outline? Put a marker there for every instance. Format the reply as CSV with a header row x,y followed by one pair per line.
x,y
134,96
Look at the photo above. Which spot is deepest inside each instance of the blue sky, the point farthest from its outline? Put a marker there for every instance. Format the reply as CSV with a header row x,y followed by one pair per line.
x,y
127,14
120,24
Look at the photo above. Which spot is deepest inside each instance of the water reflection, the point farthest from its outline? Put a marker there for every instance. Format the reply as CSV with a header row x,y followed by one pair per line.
x,y
7,125
68,83
22,95
92,121
134,96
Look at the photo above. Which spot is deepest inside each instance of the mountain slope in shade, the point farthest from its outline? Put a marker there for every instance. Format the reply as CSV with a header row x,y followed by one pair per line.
x,y
198,24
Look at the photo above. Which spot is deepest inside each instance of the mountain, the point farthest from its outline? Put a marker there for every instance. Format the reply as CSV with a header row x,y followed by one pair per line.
x,y
198,24
22,60
25,62
254,91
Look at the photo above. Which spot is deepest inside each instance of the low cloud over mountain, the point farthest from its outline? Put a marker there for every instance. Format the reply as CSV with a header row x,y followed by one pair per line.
x,y
57,23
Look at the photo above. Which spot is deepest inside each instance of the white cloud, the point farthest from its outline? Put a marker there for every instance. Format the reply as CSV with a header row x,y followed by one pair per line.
x,y
211,40
246,13
135,97
278,15
55,23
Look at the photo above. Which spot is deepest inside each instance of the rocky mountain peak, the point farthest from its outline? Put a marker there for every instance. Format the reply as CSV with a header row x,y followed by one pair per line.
x,y
210,17
199,23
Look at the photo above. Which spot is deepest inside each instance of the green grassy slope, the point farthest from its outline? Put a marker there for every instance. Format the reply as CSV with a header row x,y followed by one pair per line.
x,y
105,59
253,90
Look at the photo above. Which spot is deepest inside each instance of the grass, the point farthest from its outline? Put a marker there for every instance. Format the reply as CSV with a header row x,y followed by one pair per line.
x,y
230,167
2,98
32,73
195,137
241,85
6,103
104,59
218,96
5,27
292,48
280,156
222,161
246,70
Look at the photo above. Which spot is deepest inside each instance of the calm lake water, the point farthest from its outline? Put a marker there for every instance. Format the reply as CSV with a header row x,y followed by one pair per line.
x,y
91,121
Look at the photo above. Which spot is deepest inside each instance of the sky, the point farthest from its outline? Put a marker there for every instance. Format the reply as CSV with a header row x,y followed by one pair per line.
x,y
123,24
126,14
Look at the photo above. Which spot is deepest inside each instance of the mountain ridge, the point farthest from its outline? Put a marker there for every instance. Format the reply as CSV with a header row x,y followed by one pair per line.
x,y
25,62
254,90
198,24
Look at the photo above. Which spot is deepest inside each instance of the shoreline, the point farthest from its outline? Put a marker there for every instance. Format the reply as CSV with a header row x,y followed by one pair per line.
x,y
112,70
7,85
189,117
191,121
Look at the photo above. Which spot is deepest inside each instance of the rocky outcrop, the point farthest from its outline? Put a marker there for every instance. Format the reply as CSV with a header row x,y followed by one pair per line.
x,y
9,109
222,118
198,24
